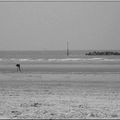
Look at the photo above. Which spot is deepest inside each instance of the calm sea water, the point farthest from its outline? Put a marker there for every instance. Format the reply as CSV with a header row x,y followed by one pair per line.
x,y
58,61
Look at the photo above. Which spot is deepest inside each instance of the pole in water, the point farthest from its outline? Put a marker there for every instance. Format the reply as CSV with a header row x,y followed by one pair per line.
x,y
18,67
67,48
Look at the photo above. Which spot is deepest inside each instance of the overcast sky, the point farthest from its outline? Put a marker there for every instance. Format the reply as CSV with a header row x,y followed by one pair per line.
x,y
47,26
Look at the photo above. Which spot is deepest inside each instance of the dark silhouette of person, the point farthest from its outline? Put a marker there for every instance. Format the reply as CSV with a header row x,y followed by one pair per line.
x,y
18,67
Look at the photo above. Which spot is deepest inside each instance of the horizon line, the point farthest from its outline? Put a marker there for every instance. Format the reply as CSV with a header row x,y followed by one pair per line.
x,y
32,1
70,50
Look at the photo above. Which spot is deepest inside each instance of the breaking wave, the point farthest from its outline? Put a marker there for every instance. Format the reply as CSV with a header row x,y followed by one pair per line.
x,y
59,60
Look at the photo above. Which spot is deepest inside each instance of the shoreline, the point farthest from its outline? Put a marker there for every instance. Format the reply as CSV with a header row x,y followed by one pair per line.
x,y
57,69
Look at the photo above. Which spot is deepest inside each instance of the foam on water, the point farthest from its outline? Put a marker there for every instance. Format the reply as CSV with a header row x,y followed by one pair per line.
x,y
60,60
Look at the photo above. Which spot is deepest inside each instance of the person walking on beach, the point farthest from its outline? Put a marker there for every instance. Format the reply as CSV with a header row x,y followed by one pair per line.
x,y
18,67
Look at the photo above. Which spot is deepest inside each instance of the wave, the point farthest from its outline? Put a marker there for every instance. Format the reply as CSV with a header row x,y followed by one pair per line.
x,y
22,59
59,60
83,59
32,60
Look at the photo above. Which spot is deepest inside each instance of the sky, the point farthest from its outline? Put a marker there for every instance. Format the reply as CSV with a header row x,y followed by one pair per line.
x,y
49,25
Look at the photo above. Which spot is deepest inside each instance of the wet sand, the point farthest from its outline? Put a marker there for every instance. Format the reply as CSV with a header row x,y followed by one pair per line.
x,y
62,68
63,96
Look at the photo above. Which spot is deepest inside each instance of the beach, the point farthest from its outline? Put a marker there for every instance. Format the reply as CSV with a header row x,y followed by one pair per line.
x,y
59,96
52,85
59,59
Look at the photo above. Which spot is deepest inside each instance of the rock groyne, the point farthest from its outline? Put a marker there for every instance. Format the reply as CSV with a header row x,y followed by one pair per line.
x,y
103,53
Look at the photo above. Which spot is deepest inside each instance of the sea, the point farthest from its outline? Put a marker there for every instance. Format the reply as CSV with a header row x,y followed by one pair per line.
x,y
57,61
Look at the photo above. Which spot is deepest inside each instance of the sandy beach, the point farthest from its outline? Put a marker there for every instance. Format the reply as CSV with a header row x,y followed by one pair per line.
x,y
59,59
63,96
